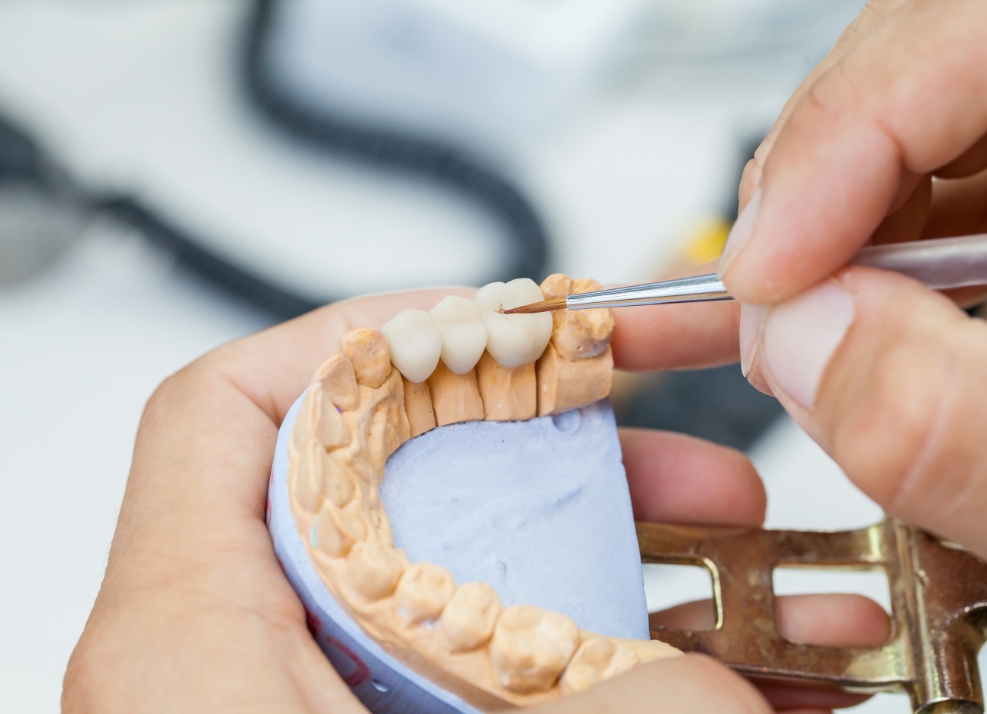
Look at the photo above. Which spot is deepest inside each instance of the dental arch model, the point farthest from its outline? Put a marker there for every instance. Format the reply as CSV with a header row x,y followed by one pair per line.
x,y
462,361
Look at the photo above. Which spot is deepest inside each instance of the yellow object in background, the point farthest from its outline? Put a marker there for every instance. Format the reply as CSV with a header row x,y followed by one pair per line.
x,y
705,241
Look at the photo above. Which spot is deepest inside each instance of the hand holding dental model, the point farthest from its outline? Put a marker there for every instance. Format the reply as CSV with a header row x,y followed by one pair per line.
x,y
195,614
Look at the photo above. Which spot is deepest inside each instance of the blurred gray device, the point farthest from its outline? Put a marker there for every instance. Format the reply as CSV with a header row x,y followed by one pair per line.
x,y
492,76
481,74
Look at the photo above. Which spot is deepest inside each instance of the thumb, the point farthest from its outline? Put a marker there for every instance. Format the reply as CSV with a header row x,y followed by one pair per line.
x,y
692,684
891,380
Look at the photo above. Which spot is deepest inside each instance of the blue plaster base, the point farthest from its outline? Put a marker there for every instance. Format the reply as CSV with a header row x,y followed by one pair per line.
x,y
538,509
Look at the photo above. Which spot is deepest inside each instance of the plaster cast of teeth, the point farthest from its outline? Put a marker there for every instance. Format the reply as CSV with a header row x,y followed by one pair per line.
x,y
514,340
415,344
520,655
463,331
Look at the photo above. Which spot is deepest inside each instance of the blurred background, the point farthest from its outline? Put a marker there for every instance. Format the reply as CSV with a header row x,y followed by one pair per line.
x,y
178,173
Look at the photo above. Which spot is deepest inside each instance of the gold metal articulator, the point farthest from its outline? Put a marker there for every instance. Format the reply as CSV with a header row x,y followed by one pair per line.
x,y
938,598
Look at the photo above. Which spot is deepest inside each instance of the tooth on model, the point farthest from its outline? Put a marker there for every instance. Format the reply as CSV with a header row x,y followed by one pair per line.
x,y
531,647
514,340
423,591
373,570
367,351
468,619
310,471
337,482
337,378
334,531
415,344
464,334
330,428
320,415
596,659
577,334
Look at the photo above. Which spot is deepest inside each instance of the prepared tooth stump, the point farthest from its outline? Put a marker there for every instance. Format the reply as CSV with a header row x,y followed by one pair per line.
x,y
448,501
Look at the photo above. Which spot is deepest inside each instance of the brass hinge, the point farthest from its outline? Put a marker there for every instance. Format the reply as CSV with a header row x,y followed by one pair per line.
x,y
938,602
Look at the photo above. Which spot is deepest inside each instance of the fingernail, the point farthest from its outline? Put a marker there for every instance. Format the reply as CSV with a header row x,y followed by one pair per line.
x,y
800,335
741,231
750,325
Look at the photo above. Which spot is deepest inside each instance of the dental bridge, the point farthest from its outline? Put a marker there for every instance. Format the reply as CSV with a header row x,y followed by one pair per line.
x,y
465,361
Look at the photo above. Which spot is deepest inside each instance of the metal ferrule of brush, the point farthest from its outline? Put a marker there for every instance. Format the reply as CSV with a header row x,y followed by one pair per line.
x,y
700,288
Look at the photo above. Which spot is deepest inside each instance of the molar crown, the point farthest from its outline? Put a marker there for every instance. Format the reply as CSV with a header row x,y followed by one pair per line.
x,y
415,344
463,331
514,340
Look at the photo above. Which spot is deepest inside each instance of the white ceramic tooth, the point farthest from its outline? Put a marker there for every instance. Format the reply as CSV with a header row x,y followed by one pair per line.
x,y
463,331
514,340
415,344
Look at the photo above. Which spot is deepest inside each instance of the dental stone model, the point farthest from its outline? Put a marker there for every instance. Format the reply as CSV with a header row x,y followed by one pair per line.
x,y
409,636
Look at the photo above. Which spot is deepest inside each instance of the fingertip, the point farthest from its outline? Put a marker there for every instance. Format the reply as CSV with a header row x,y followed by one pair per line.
x,y
681,479
750,327
749,181
689,684
832,620
756,378
685,335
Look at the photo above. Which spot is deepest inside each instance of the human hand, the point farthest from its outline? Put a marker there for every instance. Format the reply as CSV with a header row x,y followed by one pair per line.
x,y
885,141
195,614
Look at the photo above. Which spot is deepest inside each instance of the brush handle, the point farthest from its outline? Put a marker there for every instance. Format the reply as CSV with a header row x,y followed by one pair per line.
x,y
700,288
940,264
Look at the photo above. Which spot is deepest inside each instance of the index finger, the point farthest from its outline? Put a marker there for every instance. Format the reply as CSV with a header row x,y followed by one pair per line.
x,y
677,336
870,17
907,99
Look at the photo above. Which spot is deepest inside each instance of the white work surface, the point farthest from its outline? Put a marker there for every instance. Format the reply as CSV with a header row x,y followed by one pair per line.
x,y
134,96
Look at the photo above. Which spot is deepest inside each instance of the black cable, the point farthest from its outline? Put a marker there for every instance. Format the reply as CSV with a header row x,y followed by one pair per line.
x,y
216,270
395,150
20,157
23,161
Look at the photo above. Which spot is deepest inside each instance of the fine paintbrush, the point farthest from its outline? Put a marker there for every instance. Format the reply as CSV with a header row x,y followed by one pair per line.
x,y
940,264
